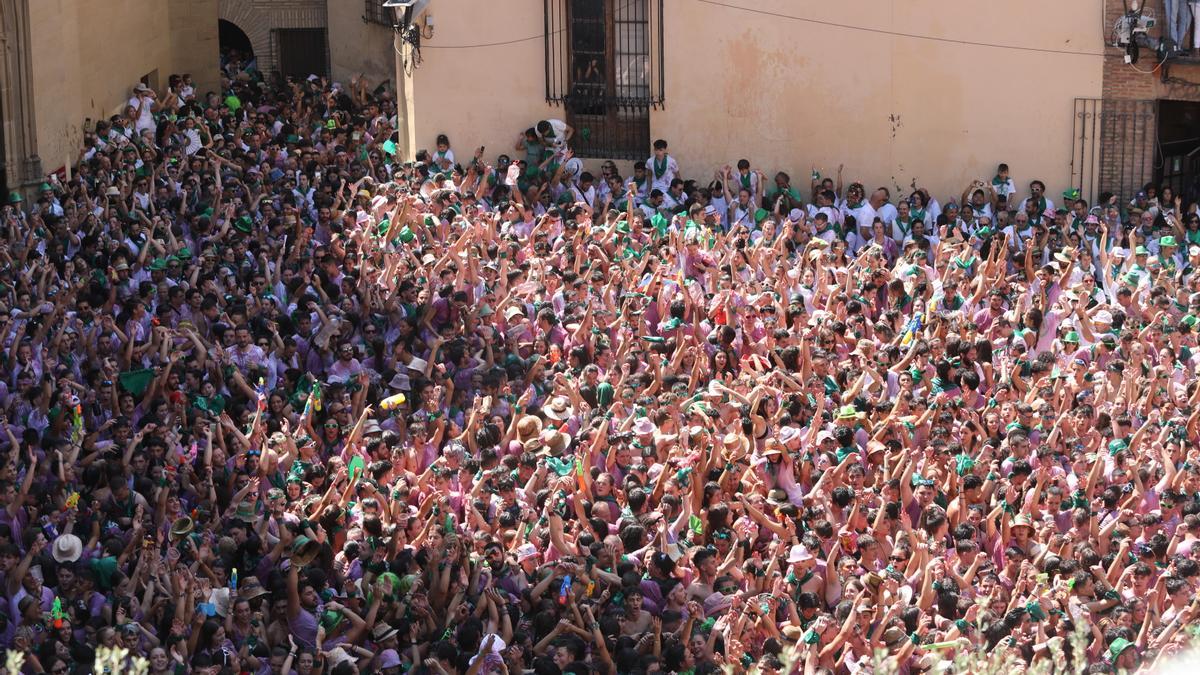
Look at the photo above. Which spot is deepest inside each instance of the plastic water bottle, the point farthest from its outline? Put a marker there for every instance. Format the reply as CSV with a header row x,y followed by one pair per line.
x,y
394,401
564,593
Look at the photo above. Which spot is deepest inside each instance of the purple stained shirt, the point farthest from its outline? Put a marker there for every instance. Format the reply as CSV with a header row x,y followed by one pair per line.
x,y
304,627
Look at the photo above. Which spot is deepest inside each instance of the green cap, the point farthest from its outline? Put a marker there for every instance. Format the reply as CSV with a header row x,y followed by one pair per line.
x,y
1072,193
1072,337
15,198
157,265
1117,647
44,187
183,254
1117,445
1167,241
1140,250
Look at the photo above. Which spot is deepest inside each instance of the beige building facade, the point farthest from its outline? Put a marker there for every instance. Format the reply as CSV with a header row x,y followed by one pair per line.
x,y
66,62
902,92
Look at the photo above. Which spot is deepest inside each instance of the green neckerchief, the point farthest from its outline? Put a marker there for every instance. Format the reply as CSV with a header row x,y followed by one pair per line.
x,y
1000,183
831,386
745,179
660,168
905,228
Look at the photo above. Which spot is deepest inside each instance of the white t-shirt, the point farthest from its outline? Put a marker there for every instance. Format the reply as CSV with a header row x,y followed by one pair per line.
x,y
559,139
146,118
887,213
662,180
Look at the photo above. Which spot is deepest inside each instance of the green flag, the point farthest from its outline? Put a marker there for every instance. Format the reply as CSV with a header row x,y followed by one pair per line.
x,y
136,381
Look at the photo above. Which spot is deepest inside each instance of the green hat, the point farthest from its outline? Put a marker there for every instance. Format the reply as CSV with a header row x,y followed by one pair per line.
x,y
1117,445
242,224
183,254
1072,337
1167,241
1072,193
44,187
245,512
1117,647
1140,250
330,619
157,265
847,412
760,215
293,138
331,124
623,227
15,198
604,394
1061,211
1189,321
406,235
1131,278
983,232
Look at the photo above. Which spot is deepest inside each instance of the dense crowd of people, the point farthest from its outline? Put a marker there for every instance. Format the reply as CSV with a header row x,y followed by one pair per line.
x,y
277,401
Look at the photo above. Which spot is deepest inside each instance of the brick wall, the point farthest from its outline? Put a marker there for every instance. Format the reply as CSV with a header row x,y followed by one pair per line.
x,y
259,17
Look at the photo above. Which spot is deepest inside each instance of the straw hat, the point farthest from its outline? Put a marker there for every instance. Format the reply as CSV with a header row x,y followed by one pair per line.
x,y
181,528
559,409
528,427
67,548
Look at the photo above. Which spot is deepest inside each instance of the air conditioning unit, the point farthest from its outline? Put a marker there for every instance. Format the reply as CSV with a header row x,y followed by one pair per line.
x,y
409,9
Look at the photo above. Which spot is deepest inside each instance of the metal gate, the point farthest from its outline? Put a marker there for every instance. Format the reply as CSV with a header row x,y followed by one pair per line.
x,y
604,65
302,52
1112,146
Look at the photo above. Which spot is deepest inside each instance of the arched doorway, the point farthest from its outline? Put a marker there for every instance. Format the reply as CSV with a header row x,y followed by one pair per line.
x,y
234,43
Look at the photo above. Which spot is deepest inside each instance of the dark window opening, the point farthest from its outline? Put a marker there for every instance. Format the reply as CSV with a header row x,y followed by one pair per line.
x,y
1178,161
604,66
302,52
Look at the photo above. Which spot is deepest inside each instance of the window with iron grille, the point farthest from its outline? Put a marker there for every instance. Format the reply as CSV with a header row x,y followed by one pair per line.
x,y
376,13
604,65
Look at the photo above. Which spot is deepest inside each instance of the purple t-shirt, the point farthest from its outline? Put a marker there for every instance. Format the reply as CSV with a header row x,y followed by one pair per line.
x,y
304,627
